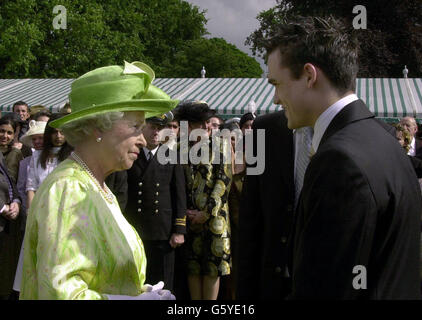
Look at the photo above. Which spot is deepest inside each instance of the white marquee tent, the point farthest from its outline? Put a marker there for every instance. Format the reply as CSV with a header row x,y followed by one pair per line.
x,y
386,97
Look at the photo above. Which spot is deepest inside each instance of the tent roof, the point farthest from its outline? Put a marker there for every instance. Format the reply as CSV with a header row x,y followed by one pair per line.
x,y
386,97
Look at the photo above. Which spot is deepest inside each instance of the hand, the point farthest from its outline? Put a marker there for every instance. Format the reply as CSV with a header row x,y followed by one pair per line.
x,y
17,145
156,295
14,208
155,287
176,240
190,214
196,216
7,214
11,211
155,292
199,217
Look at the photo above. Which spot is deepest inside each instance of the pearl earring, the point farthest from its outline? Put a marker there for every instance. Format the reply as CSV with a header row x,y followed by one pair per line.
x,y
99,139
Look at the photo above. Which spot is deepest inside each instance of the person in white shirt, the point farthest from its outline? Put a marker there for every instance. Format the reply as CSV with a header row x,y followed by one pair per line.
x,y
42,163
415,145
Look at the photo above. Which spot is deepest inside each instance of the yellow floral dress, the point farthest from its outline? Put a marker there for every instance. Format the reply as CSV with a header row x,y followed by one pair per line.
x,y
208,244
78,245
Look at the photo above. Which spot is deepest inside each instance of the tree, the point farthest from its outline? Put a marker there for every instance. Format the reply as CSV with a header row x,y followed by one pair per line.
x,y
221,60
393,37
98,33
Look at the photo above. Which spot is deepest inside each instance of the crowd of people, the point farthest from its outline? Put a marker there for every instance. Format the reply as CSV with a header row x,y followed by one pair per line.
x,y
91,211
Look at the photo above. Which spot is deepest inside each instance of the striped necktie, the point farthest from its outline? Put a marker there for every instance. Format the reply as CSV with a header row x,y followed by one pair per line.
x,y
304,145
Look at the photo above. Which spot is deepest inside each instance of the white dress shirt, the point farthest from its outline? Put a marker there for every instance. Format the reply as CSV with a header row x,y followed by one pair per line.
x,y
327,116
36,173
412,149
147,151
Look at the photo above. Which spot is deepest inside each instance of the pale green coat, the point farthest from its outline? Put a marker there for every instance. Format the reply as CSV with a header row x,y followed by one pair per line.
x,y
78,246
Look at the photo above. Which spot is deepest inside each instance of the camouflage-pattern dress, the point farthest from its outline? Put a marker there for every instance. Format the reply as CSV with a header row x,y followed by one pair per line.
x,y
208,244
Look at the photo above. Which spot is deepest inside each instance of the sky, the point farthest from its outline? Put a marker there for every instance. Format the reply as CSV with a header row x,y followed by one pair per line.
x,y
234,20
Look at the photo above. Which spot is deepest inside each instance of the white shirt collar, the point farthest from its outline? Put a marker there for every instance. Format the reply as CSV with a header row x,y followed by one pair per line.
x,y
153,151
327,116
412,149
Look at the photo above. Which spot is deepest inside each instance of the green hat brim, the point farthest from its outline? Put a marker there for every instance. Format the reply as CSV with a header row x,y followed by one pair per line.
x,y
151,107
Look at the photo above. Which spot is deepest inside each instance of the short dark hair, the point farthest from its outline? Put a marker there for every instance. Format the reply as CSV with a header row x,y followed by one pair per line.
x,y
230,126
325,42
20,103
246,117
193,111
10,122
218,117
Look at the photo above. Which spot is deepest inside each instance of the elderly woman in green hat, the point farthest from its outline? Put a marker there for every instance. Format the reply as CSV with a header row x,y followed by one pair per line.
x,y
78,244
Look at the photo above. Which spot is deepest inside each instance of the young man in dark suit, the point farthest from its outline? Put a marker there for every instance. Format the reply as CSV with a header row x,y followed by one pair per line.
x,y
157,205
356,233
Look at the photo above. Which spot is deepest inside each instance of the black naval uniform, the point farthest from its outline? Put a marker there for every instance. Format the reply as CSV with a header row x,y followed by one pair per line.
x,y
157,208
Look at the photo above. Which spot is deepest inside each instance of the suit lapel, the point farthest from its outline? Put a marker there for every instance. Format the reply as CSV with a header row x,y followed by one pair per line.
x,y
354,111
141,162
289,172
280,148
145,164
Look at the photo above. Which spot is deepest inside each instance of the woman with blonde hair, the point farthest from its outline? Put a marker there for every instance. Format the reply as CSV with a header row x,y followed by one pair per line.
x,y
403,136
78,244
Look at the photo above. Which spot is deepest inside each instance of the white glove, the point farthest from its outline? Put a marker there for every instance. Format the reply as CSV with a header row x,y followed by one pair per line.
x,y
155,292
149,292
149,288
157,295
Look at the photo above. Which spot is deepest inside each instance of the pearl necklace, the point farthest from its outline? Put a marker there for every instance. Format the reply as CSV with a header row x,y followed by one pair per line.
x,y
107,194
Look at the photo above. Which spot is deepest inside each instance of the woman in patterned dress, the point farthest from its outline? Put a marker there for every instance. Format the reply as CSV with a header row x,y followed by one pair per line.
x,y
208,183
78,245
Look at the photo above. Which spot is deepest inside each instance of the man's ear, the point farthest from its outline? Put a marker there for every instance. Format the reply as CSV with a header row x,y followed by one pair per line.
x,y
311,74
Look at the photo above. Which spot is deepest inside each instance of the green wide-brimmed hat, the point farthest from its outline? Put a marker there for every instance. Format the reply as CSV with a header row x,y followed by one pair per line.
x,y
116,88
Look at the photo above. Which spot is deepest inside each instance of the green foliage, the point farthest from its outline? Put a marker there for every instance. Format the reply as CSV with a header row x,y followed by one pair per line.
x,y
98,33
393,37
220,59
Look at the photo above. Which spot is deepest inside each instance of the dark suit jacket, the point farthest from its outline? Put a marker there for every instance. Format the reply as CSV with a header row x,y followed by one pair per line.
x,y
156,198
360,206
5,198
418,148
417,165
266,213
117,182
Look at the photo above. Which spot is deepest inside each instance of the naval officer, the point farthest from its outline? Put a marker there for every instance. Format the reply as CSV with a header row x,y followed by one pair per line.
x,y
157,205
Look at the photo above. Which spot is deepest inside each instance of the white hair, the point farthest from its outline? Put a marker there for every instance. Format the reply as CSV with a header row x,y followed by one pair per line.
x,y
79,130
